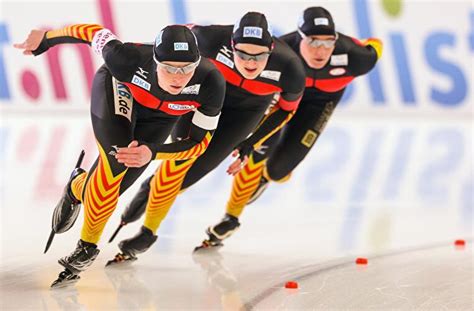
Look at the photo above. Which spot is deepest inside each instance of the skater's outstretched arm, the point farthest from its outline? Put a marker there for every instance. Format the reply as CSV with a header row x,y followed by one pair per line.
x,y
364,54
138,154
120,58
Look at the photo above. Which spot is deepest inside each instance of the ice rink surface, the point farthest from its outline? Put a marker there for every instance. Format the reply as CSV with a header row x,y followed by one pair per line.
x,y
391,179
395,191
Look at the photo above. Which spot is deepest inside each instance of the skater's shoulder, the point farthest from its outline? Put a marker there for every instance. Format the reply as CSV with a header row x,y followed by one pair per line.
x,y
286,61
217,31
208,74
206,66
292,39
282,53
142,49
212,38
346,43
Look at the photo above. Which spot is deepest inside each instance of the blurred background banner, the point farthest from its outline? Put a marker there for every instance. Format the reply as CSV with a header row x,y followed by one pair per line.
x,y
402,137
426,66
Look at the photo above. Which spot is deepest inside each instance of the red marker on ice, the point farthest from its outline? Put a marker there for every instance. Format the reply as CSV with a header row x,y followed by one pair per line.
x,y
361,261
291,284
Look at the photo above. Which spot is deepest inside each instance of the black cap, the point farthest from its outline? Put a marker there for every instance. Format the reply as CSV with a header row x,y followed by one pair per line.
x,y
253,28
176,43
317,21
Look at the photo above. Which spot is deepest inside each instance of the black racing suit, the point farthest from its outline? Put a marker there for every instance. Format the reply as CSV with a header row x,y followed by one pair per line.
x,y
246,100
245,104
324,88
128,104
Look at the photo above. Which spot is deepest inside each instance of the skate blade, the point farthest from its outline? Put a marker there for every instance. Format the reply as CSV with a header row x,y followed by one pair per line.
x,y
50,240
120,262
60,282
116,231
206,246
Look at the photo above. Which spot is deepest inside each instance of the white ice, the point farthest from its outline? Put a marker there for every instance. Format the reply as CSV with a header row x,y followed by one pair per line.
x,y
398,192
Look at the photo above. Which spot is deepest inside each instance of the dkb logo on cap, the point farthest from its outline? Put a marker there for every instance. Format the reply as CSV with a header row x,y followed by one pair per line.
x,y
254,32
321,21
181,46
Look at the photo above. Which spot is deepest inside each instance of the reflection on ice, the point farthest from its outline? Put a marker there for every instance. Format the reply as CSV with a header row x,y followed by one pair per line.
x,y
369,187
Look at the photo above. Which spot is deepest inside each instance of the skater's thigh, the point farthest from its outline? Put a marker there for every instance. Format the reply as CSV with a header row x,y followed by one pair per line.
x,y
298,139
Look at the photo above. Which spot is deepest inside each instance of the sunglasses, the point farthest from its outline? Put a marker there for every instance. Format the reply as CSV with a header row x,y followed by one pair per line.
x,y
327,43
256,57
178,70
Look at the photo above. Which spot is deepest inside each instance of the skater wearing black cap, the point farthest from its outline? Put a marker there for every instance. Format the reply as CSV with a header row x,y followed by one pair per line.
x,y
137,97
331,60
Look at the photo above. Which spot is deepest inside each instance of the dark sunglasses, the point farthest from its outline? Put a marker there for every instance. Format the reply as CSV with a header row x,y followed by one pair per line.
x,y
256,57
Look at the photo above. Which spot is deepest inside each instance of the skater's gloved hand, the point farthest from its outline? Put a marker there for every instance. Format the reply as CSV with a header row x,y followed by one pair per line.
x,y
134,155
243,151
32,42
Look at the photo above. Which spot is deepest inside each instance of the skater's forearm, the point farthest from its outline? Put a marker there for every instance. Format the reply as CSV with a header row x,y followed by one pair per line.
x,y
279,115
365,54
272,123
191,147
200,134
183,150
120,58
269,126
78,33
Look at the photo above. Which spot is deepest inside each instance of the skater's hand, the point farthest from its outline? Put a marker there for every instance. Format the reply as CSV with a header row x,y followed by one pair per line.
x,y
134,155
238,164
32,42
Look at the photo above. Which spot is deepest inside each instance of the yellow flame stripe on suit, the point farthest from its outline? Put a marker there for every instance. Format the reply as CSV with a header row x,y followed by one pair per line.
x,y
83,32
191,153
77,186
244,185
376,44
165,187
100,199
